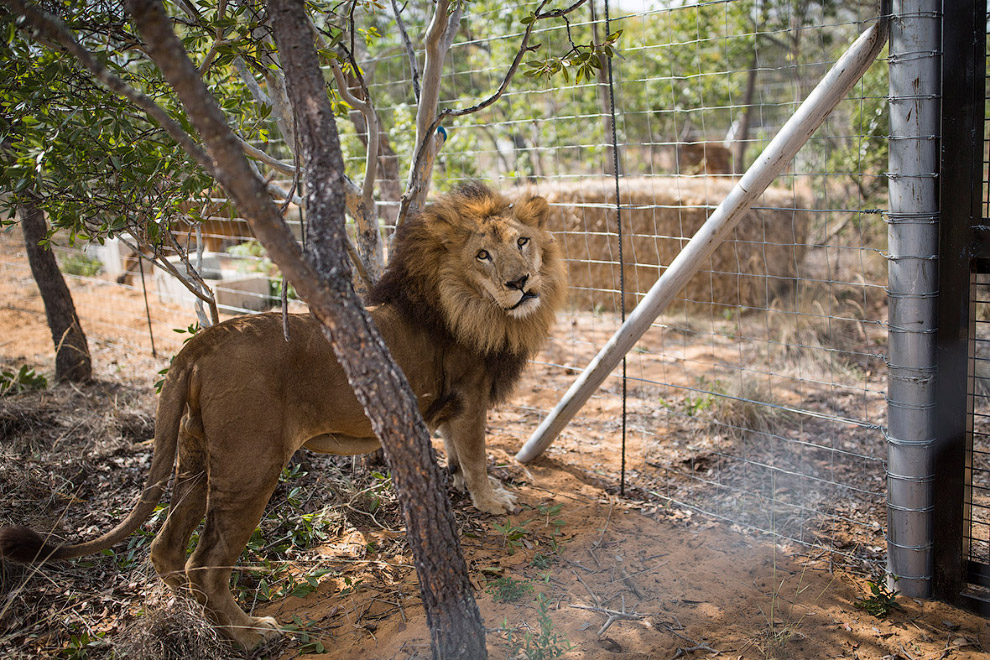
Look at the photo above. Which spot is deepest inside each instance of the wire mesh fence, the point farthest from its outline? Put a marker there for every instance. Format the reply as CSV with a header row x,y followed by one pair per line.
x,y
758,398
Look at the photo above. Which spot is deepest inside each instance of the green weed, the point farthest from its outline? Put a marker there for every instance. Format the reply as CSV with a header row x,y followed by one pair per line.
x,y
22,380
508,590
512,534
80,645
300,630
546,644
78,263
881,603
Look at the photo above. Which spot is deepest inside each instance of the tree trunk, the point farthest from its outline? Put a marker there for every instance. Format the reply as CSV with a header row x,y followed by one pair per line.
x,y
72,361
322,278
452,615
741,137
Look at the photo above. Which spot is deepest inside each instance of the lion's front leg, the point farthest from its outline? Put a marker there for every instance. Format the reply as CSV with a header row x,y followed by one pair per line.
x,y
464,439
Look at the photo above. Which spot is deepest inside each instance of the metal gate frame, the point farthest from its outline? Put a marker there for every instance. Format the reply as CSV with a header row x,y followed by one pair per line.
x,y
964,251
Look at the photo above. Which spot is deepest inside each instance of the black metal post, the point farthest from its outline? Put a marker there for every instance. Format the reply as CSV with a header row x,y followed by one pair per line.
x,y
961,193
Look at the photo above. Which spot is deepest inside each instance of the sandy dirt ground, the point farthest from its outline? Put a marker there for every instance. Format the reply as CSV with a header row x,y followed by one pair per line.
x,y
618,577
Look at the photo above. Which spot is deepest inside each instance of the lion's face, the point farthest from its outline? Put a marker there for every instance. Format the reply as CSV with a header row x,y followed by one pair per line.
x,y
497,275
503,262
487,267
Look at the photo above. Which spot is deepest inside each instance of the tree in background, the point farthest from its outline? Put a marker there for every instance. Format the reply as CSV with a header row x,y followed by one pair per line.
x,y
72,359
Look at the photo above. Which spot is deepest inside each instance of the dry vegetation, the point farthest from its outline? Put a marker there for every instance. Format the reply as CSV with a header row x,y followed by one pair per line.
x,y
659,215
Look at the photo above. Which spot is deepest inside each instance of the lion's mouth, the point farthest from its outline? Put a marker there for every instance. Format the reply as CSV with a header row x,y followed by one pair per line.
x,y
526,296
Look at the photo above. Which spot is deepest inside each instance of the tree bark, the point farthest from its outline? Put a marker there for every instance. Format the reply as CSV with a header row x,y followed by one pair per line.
x,y
72,359
322,278
741,137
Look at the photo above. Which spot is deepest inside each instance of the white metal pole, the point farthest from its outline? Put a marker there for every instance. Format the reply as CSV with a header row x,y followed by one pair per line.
x,y
912,272
792,136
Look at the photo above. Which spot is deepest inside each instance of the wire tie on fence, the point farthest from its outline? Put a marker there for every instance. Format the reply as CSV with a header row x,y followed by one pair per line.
x,y
924,295
903,257
897,442
919,380
915,548
912,218
929,478
917,407
912,97
913,56
897,329
918,368
895,176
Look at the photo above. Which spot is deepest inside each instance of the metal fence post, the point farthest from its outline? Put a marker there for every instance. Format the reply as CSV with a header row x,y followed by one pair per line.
x,y
915,86
961,258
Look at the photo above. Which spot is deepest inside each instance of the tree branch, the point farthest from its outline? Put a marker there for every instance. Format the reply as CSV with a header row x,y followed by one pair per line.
x,y
205,295
264,157
426,151
371,119
52,29
410,51
422,167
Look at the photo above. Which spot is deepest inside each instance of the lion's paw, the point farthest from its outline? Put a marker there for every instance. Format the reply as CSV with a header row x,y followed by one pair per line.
x,y
261,630
496,499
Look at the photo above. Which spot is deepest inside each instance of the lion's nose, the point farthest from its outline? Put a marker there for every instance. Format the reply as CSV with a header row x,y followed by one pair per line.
x,y
517,284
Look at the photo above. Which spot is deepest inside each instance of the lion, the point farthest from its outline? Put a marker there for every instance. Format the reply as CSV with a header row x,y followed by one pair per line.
x,y
470,293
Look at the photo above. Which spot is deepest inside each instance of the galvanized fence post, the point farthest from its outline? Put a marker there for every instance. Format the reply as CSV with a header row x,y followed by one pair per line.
x,y
915,86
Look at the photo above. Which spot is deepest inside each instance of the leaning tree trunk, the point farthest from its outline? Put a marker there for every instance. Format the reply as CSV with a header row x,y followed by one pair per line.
x,y
322,278
452,614
72,361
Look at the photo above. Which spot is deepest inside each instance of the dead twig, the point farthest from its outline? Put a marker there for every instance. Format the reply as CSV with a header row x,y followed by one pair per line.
x,y
611,616
691,649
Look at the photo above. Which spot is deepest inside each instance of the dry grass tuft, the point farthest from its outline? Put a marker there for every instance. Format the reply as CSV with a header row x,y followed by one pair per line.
x,y
747,406
172,629
820,326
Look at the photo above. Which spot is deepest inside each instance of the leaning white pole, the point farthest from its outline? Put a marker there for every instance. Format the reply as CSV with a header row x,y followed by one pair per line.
x,y
808,117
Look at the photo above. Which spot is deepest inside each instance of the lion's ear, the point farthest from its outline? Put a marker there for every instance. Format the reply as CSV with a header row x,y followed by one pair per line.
x,y
534,212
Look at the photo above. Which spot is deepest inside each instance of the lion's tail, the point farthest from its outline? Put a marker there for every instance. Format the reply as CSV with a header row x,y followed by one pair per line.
x,y
25,545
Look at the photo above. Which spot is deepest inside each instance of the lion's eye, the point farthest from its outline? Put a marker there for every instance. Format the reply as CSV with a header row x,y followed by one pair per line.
x,y
522,241
483,255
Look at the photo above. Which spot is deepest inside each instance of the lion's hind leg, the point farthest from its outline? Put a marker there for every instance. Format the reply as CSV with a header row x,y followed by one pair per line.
x,y
238,491
168,550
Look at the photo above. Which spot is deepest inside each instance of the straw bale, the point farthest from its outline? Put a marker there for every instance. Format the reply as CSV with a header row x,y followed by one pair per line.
x,y
757,263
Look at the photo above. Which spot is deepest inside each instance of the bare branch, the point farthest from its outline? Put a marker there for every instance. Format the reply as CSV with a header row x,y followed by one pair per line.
x,y
361,208
255,152
422,167
141,245
54,30
524,48
426,150
410,51
252,84
371,119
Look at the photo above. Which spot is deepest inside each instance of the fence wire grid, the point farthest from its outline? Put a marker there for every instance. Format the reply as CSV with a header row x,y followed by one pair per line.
x,y
758,397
